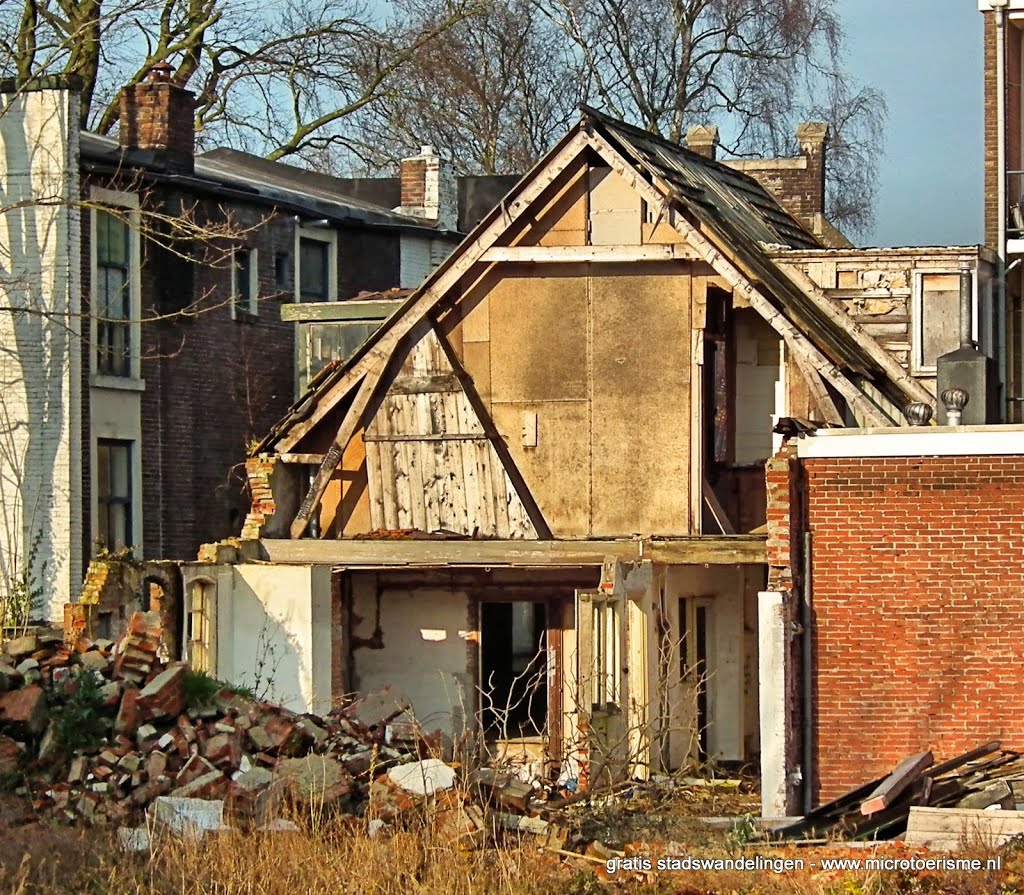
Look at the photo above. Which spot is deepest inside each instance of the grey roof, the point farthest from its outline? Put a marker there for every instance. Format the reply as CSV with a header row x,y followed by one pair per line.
x,y
267,182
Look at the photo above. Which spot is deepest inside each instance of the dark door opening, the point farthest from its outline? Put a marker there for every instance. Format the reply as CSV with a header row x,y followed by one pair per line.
x,y
513,668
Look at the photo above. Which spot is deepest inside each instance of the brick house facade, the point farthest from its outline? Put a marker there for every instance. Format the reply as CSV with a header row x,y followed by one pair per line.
x,y
163,347
916,575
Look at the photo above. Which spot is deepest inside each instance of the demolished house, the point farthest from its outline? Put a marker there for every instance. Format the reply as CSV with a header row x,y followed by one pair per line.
x,y
534,500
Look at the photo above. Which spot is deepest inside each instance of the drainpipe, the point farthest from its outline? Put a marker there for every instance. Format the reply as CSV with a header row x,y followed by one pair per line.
x,y
999,7
806,670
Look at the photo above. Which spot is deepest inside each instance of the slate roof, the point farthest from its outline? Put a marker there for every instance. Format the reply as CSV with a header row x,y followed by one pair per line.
x,y
265,182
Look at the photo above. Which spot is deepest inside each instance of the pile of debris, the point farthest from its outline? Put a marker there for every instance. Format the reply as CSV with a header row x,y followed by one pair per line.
x,y
150,742
983,778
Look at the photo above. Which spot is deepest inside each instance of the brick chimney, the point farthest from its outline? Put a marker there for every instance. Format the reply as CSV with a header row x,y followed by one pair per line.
x,y
158,116
703,139
429,189
813,138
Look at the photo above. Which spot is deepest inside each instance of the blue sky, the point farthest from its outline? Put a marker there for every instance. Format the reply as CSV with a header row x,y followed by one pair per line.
x,y
925,55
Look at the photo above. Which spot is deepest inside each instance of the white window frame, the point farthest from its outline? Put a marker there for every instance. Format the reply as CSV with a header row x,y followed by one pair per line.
x,y
253,308
321,234
199,623
917,363
129,202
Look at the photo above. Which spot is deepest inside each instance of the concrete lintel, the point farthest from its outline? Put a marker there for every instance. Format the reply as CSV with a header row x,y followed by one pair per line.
x,y
913,441
728,550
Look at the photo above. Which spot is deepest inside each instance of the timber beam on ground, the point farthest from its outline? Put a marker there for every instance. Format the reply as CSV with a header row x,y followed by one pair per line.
x,y
720,550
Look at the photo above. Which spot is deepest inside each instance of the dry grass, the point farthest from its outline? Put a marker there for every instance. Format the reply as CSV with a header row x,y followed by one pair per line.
x,y
339,857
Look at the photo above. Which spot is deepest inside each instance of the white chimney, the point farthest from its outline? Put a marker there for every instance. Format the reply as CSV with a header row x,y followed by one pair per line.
x,y
429,189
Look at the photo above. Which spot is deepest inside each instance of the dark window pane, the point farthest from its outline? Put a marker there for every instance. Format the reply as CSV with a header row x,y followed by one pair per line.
x,y
114,493
313,270
242,269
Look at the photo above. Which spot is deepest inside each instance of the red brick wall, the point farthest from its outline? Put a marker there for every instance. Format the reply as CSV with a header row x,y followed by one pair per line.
x,y
918,591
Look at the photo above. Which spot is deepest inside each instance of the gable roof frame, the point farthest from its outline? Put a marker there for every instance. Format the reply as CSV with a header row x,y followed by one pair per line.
x,y
435,288
660,194
910,389
795,340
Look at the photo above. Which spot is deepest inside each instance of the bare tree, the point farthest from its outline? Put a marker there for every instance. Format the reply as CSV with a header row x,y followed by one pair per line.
x,y
756,68
278,79
492,93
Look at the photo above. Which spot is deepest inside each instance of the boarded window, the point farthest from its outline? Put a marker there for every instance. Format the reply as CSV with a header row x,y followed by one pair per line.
x,y
938,323
113,295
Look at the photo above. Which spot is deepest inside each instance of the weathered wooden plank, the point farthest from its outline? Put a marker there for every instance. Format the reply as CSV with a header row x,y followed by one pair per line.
x,y
905,773
816,386
718,512
352,420
616,254
958,761
354,552
949,829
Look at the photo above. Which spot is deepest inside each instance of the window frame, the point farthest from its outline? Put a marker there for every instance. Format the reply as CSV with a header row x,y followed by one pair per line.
x,y
330,238
126,206
250,308
127,501
917,364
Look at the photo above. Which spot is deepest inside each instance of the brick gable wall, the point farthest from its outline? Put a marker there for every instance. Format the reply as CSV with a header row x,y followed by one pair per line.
x,y
918,591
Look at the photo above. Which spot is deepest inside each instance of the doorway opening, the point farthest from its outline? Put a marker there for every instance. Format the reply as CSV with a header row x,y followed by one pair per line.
x,y
513,668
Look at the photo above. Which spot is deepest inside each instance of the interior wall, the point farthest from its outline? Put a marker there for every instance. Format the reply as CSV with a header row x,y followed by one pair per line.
x,y
274,632
731,669
600,355
423,651
760,387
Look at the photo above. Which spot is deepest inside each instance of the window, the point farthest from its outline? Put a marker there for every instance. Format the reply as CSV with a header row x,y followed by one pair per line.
x,y
607,639
314,270
114,493
244,283
200,628
316,263
936,318
113,295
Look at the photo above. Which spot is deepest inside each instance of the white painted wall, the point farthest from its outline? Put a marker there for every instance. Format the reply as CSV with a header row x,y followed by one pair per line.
x,y
425,655
40,348
282,615
772,678
760,396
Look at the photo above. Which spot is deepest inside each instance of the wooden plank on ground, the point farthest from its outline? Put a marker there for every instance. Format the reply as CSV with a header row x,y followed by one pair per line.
x,y
906,772
958,761
950,829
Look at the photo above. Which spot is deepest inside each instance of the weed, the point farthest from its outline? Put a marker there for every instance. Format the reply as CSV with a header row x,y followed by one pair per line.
x,y
79,723
200,687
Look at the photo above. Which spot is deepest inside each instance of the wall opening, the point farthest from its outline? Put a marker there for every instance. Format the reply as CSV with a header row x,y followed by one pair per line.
x,y
513,668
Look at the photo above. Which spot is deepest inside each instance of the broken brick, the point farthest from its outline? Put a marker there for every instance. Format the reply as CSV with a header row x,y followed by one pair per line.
x,y
127,719
24,710
164,696
194,768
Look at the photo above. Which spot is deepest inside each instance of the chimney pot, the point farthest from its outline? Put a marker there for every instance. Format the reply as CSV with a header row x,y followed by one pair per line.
x,y
703,139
